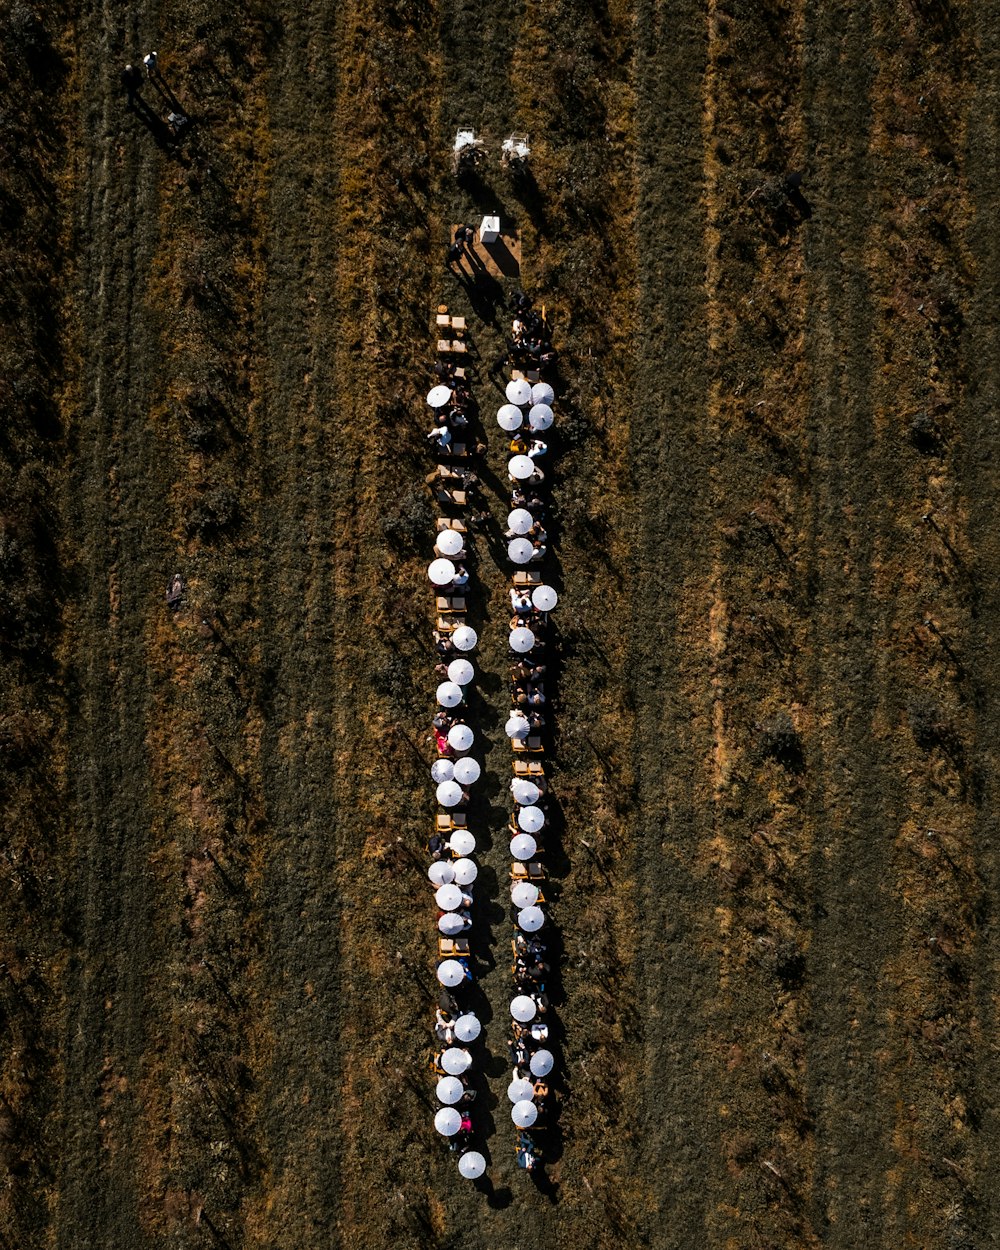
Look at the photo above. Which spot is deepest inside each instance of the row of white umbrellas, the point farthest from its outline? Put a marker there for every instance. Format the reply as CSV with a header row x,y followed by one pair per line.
x,y
522,393
511,418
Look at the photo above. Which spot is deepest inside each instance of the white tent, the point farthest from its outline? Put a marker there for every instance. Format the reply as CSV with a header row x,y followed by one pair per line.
x,y
447,1121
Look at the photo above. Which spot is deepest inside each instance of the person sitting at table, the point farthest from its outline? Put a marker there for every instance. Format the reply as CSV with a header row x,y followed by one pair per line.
x,y
536,697
518,445
443,644
518,499
461,576
436,847
443,721
444,1026
540,1089
537,533
520,601
441,434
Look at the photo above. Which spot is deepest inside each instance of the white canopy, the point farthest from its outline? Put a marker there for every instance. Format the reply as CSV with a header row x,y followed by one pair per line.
x,y
451,924
524,894
438,396
530,919
448,897
519,1089
467,1027
521,639
461,672
451,972
441,872
530,819
442,770
455,1061
524,791
518,392
447,1121
524,1113
509,418
450,1089
449,542
519,467
449,793
523,846
461,737
544,598
520,550
522,1008
520,521
542,393
465,871
442,571
472,1165
449,694
541,1062
540,417
517,727
462,841
464,638
467,770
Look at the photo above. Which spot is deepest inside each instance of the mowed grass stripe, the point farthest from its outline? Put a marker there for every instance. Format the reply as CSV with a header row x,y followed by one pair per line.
x,y
855,793
676,970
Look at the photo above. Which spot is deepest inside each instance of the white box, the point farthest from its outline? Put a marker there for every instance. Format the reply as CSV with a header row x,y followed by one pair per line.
x,y
489,231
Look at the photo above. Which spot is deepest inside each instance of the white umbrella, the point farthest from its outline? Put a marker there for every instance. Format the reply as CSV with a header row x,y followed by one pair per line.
x,y
450,1089
461,737
449,543
509,418
520,521
519,467
465,871
465,637
451,923
467,770
467,1027
472,1165
451,973
530,819
517,727
530,919
519,1089
521,640
523,846
463,842
540,417
544,598
449,694
442,770
522,1008
524,1113
449,793
438,396
441,872
455,1061
442,571
448,897
523,791
461,672
447,1121
524,894
518,391
542,393
520,550
541,1062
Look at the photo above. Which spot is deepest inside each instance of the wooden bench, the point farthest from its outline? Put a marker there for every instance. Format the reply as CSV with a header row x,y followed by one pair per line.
x,y
530,768
449,604
532,745
450,523
533,872
524,577
453,946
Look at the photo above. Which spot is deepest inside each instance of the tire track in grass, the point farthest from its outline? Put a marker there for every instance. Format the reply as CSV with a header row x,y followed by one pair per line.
x,y
115,505
304,679
677,972
978,476
855,796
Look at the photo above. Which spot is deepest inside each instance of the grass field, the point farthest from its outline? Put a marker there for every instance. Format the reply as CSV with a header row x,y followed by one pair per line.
x,y
775,542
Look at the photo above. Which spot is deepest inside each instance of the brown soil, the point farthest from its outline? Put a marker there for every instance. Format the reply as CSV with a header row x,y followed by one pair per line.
x,y
776,548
